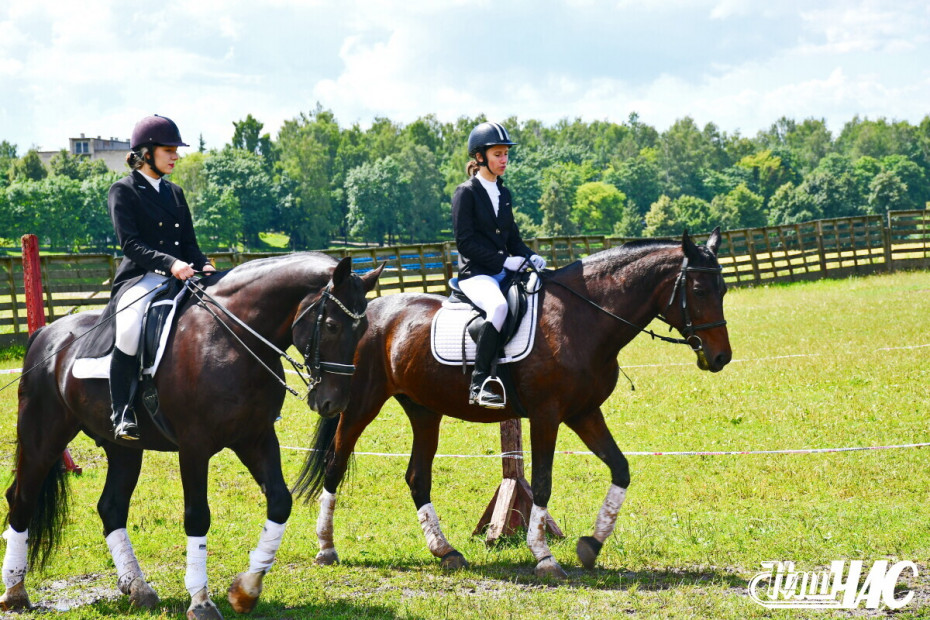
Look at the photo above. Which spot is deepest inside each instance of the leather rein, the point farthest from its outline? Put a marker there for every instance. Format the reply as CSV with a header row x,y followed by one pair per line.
x,y
313,365
689,331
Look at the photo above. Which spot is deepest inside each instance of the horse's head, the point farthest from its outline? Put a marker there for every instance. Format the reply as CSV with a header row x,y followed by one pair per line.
x,y
326,331
695,306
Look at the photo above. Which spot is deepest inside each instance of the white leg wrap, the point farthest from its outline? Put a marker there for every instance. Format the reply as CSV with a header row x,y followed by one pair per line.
x,y
15,559
324,522
435,540
127,566
607,515
536,533
262,557
195,579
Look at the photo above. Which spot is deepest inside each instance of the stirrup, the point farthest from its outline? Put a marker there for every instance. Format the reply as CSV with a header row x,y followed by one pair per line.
x,y
126,429
486,398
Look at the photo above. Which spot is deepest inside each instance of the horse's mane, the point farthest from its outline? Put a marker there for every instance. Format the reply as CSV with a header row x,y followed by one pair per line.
x,y
248,272
614,258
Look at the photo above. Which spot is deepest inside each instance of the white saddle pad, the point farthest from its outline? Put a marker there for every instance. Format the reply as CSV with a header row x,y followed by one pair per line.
x,y
448,331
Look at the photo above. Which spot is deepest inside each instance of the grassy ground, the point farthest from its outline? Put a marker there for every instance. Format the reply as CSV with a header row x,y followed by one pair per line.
x,y
818,365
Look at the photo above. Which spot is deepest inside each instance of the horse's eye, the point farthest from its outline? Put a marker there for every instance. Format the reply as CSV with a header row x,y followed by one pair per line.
x,y
332,326
699,291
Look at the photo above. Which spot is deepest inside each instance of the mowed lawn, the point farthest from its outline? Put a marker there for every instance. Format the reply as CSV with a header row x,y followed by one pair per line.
x,y
832,364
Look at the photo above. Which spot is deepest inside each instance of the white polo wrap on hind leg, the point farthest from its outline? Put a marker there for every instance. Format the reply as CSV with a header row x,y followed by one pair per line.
x,y
324,522
15,559
262,557
536,533
435,539
195,579
607,515
124,558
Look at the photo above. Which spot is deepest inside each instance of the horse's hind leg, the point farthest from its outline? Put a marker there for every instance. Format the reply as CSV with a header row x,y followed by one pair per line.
x,y
594,432
263,459
425,424
123,467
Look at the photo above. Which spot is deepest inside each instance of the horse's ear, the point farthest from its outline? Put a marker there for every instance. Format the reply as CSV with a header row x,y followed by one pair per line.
x,y
371,278
713,242
688,246
342,272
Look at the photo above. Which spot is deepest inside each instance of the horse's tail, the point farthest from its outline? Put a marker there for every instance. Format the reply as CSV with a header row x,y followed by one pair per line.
x,y
51,502
310,481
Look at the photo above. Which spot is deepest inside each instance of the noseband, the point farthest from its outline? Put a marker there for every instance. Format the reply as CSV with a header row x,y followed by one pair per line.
x,y
311,354
690,330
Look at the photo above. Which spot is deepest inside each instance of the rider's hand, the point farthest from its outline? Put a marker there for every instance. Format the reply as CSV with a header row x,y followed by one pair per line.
x,y
182,270
538,261
208,268
514,263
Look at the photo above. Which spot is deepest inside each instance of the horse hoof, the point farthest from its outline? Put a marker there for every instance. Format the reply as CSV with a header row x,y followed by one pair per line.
x,y
141,594
326,557
202,608
454,561
15,598
244,592
548,568
588,549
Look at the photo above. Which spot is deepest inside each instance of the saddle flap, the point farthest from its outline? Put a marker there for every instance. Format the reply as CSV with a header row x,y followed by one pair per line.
x,y
157,324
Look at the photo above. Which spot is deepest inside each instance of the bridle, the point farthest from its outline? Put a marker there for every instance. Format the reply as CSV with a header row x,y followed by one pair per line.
x,y
689,331
315,366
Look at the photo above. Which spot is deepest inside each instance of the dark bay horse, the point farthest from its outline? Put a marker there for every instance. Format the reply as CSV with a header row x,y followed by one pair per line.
x,y
214,393
590,310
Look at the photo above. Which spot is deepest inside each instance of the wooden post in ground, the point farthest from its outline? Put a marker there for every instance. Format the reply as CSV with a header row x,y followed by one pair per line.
x,y
35,310
510,507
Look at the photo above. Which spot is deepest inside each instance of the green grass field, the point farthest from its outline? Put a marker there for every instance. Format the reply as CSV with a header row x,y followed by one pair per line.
x,y
827,364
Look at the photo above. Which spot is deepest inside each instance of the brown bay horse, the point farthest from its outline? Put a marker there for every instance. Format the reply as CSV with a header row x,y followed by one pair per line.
x,y
589,310
220,385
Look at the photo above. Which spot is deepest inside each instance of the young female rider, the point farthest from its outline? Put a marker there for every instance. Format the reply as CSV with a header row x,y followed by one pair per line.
x,y
156,233
488,243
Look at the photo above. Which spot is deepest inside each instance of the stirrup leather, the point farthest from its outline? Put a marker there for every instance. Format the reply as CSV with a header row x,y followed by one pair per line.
x,y
487,398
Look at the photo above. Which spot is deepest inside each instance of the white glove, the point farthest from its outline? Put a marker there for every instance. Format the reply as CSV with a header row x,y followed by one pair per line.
x,y
538,261
514,263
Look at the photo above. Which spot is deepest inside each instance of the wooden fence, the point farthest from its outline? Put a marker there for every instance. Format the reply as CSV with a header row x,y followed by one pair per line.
x,y
833,248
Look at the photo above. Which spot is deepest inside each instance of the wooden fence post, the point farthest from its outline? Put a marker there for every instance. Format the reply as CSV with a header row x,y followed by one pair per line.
x,y
35,311
510,507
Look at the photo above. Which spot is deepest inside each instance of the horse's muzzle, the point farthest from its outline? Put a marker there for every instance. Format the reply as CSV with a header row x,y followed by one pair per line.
x,y
715,363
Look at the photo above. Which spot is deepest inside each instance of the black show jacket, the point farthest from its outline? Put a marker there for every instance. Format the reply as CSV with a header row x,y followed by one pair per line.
x,y
483,240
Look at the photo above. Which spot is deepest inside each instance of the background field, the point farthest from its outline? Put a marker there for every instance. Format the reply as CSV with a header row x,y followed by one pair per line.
x,y
816,365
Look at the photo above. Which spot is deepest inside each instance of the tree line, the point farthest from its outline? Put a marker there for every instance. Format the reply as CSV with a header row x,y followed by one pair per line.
x,y
321,184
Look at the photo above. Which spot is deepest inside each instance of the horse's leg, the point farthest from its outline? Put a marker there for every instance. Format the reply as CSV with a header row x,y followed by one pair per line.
x,y
543,433
37,497
425,424
195,466
123,467
593,431
263,459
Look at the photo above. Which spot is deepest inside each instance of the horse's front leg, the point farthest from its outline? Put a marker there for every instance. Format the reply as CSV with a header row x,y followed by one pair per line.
x,y
123,467
543,433
263,459
425,424
194,469
593,431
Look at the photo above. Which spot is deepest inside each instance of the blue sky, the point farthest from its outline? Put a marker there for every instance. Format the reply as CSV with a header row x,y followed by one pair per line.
x,y
97,66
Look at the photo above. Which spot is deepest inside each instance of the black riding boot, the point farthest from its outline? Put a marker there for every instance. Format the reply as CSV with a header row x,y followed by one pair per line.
x,y
488,345
123,371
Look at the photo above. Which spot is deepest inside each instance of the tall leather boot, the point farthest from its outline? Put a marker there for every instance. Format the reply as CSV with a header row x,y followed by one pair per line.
x,y
123,375
478,393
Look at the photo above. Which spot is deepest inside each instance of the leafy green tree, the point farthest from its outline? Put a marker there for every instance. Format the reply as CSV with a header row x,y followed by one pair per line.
x,y
96,229
638,179
740,208
376,194
598,207
218,221
693,214
661,219
425,215
915,181
249,137
765,172
76,167
887,192
244,174
28,167
791,205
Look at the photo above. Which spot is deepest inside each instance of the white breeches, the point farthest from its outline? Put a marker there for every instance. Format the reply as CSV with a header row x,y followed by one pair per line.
x,y
130,310
485,292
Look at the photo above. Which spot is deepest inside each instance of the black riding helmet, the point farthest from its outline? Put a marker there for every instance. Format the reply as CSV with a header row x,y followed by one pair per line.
x,y
154,131
486,135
